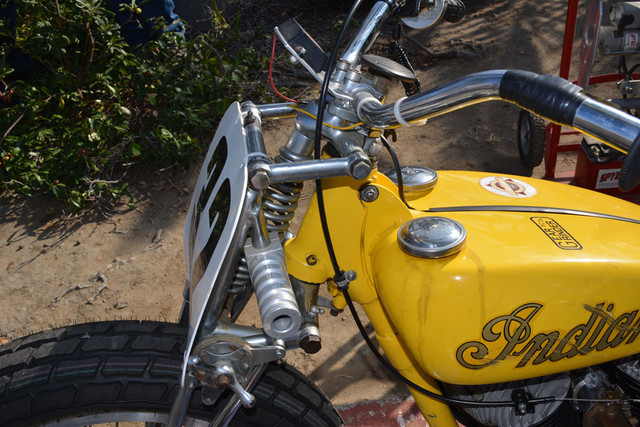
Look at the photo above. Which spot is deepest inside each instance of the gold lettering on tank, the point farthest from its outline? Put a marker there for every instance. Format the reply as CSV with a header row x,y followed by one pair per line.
x,y
600,331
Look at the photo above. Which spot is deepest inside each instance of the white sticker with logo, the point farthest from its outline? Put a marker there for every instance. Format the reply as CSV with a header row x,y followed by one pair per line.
x,y
631,40
608,178
508,187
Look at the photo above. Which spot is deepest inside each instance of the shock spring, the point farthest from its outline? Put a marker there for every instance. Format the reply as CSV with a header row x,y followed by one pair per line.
x,y
281,200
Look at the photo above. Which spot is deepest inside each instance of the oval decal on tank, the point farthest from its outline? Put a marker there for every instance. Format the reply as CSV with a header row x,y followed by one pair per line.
x,y
508,187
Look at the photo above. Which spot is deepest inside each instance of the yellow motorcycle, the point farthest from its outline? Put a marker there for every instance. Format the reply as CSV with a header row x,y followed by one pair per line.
x,y
498,300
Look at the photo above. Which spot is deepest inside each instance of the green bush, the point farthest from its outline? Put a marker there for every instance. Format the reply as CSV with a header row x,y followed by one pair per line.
x,y
98,107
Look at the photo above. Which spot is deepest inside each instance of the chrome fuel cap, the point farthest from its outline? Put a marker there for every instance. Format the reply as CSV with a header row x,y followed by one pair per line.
x,y
417,180
432,237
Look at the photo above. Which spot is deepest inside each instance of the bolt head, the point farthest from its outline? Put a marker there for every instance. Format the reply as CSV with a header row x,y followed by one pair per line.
x,y
222,381
310,344
361,169
369,193
260,179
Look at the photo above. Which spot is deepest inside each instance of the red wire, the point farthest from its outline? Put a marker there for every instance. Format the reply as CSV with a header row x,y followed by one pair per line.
x,y
273,53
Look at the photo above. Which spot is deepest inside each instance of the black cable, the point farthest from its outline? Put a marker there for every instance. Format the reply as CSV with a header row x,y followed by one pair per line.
x,y
633,70
447,400
318,135
396,165
334,261
622,67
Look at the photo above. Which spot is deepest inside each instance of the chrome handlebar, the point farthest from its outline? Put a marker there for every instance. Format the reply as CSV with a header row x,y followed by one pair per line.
x,y
547,96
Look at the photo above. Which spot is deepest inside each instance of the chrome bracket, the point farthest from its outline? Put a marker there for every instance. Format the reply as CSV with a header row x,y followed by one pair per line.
x,y
224,361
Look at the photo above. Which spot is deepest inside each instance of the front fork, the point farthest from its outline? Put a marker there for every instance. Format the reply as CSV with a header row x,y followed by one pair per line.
x,y
233,356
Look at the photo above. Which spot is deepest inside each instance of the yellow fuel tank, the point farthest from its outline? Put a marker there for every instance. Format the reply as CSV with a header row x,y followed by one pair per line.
x,y
548,279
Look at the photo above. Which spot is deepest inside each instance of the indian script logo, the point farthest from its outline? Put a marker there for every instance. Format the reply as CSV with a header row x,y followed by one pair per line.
x,y
599,332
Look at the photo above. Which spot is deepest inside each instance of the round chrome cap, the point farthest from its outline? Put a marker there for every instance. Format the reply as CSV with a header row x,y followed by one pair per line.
x,y
432,237
416,180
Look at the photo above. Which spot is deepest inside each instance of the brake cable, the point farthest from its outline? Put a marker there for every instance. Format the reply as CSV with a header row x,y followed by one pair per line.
x,y
398,169
340,275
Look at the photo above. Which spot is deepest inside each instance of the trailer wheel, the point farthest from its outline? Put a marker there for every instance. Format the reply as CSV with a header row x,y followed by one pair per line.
x,y
531,139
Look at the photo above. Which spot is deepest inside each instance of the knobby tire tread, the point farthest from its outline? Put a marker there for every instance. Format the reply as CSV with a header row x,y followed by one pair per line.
x,y
537,140
132,365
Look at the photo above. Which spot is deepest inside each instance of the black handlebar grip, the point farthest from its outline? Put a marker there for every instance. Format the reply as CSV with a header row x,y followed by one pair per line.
x,y
558,100
547,95
630,172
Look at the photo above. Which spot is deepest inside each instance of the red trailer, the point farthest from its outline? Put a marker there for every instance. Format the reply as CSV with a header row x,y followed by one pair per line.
x,y
596,168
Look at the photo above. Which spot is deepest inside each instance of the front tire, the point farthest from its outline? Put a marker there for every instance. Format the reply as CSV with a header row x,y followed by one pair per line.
x,y
129,371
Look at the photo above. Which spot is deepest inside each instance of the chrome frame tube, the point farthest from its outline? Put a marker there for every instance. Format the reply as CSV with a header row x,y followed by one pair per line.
x,y
277,111
356,165
308,170
368,32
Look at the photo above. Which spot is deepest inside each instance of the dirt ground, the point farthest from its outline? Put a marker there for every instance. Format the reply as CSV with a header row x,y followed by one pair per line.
x,y
130,265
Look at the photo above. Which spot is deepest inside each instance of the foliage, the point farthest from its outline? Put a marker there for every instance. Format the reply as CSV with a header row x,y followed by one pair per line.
x,y
95,107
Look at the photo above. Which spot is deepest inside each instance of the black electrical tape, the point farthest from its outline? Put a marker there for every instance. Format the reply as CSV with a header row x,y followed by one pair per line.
x,y
630,172
545,95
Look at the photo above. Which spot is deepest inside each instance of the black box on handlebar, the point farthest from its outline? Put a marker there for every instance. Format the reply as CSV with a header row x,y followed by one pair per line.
x,y
309,51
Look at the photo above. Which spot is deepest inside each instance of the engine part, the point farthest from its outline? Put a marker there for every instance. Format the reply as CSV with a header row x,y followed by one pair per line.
x,y
552,414
624,14
609,413
627,376
619,42
455,11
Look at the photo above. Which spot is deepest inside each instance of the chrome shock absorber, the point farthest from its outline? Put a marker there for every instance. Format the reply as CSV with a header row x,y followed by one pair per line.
x,y
281,200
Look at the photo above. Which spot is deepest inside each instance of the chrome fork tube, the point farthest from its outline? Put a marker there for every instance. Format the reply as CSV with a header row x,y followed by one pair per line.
x,y
367,33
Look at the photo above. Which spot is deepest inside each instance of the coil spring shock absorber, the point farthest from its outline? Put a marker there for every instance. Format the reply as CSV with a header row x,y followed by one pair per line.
x,y
281,200
241,277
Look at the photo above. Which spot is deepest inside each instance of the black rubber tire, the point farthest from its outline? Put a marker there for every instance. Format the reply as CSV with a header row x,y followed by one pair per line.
x,y
630,172
532,137
132,366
